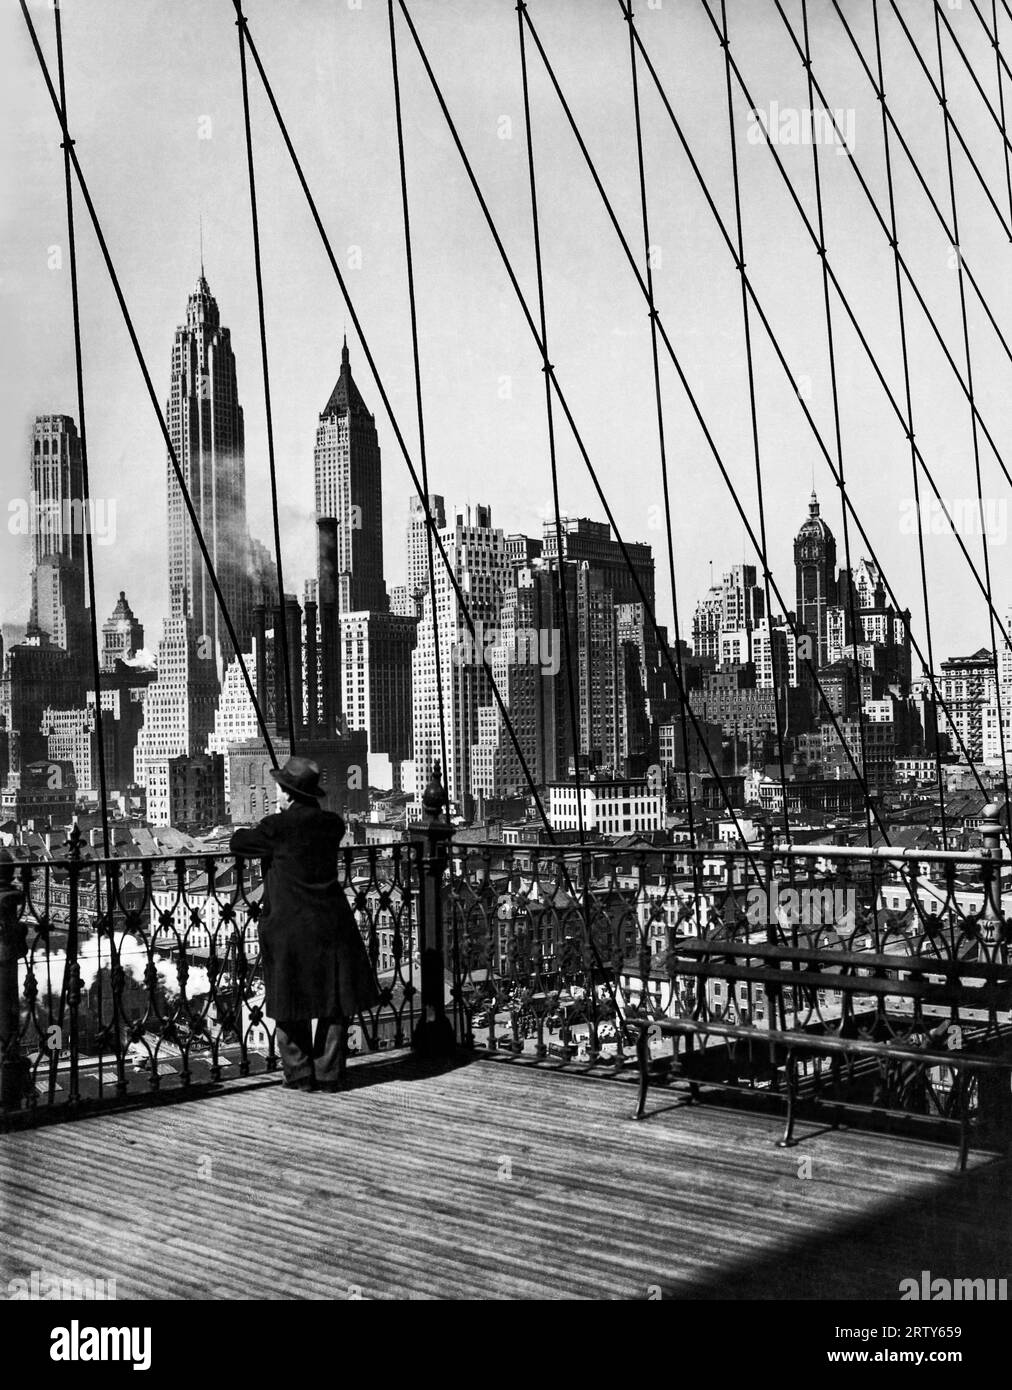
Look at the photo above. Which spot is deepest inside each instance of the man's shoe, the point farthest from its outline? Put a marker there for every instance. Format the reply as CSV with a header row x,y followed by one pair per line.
x,y
302,1083
339,1085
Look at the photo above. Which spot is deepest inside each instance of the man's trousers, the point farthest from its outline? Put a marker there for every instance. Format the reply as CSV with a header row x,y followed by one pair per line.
x,y
305,1057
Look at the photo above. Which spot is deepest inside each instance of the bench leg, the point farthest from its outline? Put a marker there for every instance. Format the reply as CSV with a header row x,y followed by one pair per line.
x,y
788,1141
643,1058
964,1083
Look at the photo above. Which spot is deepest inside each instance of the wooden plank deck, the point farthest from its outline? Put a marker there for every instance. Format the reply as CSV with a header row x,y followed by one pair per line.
x,y
488,1180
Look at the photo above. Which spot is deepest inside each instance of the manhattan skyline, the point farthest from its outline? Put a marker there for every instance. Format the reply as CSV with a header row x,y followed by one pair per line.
x,y
481,375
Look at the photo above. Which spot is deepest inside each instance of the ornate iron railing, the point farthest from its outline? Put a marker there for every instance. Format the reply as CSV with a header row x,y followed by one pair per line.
x,y
129,975
557,948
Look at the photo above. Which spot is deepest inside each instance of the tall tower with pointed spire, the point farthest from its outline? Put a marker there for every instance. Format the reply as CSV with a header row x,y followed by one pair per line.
x,y
815,567
348,488
205,423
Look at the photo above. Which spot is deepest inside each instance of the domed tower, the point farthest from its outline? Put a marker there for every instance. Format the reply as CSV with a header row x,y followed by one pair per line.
x,y
815,566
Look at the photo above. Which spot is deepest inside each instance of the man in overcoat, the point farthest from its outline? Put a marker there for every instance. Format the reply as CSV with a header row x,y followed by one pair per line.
x,y
315,962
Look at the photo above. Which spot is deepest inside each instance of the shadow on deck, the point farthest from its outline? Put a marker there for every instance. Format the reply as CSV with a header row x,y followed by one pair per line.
x,y
488,1180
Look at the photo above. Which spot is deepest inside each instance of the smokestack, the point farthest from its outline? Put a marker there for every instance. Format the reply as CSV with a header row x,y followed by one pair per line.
x,y
260,637
330,623
312,671
293,631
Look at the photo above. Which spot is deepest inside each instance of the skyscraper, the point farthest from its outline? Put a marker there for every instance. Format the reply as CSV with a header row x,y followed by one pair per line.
x,y
815,566
205,423
122,634
478,557
418,545
348,488
58,521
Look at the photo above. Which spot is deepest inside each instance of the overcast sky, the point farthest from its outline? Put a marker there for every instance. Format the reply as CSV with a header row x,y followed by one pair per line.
x,y
147,80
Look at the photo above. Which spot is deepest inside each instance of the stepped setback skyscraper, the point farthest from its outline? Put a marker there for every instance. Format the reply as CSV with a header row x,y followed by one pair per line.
x,y
205,423
349,489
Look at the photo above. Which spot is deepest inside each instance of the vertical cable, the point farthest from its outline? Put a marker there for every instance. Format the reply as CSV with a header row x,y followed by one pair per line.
x,y
83,436
754,415
908,398
546,366
857,631
429,520
973,424
146,375
1000,64
283,607
659,407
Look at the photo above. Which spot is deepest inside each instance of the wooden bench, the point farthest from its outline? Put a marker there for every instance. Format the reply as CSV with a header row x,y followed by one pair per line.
x,y
797,973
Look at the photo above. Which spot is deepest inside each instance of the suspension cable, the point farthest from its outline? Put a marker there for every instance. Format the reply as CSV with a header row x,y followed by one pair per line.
x,y
856,625
83,438
973,420
423,456
950,120
574,717
942,18
711,443
398,433
292,722
1002,68
667,342
753,406
862,338
778,350
908,394
648,607
131,331
925,187
661,436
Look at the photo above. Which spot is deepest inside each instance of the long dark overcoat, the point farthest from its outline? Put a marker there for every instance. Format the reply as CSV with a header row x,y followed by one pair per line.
x,y
315,962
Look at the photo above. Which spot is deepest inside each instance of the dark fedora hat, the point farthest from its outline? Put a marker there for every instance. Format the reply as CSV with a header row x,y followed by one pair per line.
x,y
300,776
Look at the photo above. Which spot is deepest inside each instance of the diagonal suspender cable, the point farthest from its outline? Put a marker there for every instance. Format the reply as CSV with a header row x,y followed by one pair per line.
x,y
128,322
286,655
663,333
661,438
973,419
67,984
942,18
96,664
1002,68
862,337
423,456
569,416
311,202
574,716
919,174
856,628
753,407
677,365
908,394
950,120
648,607
764,319
546,368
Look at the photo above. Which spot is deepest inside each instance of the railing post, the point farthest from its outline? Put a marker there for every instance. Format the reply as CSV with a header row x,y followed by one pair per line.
x,y
433,1034
13,941
991,918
